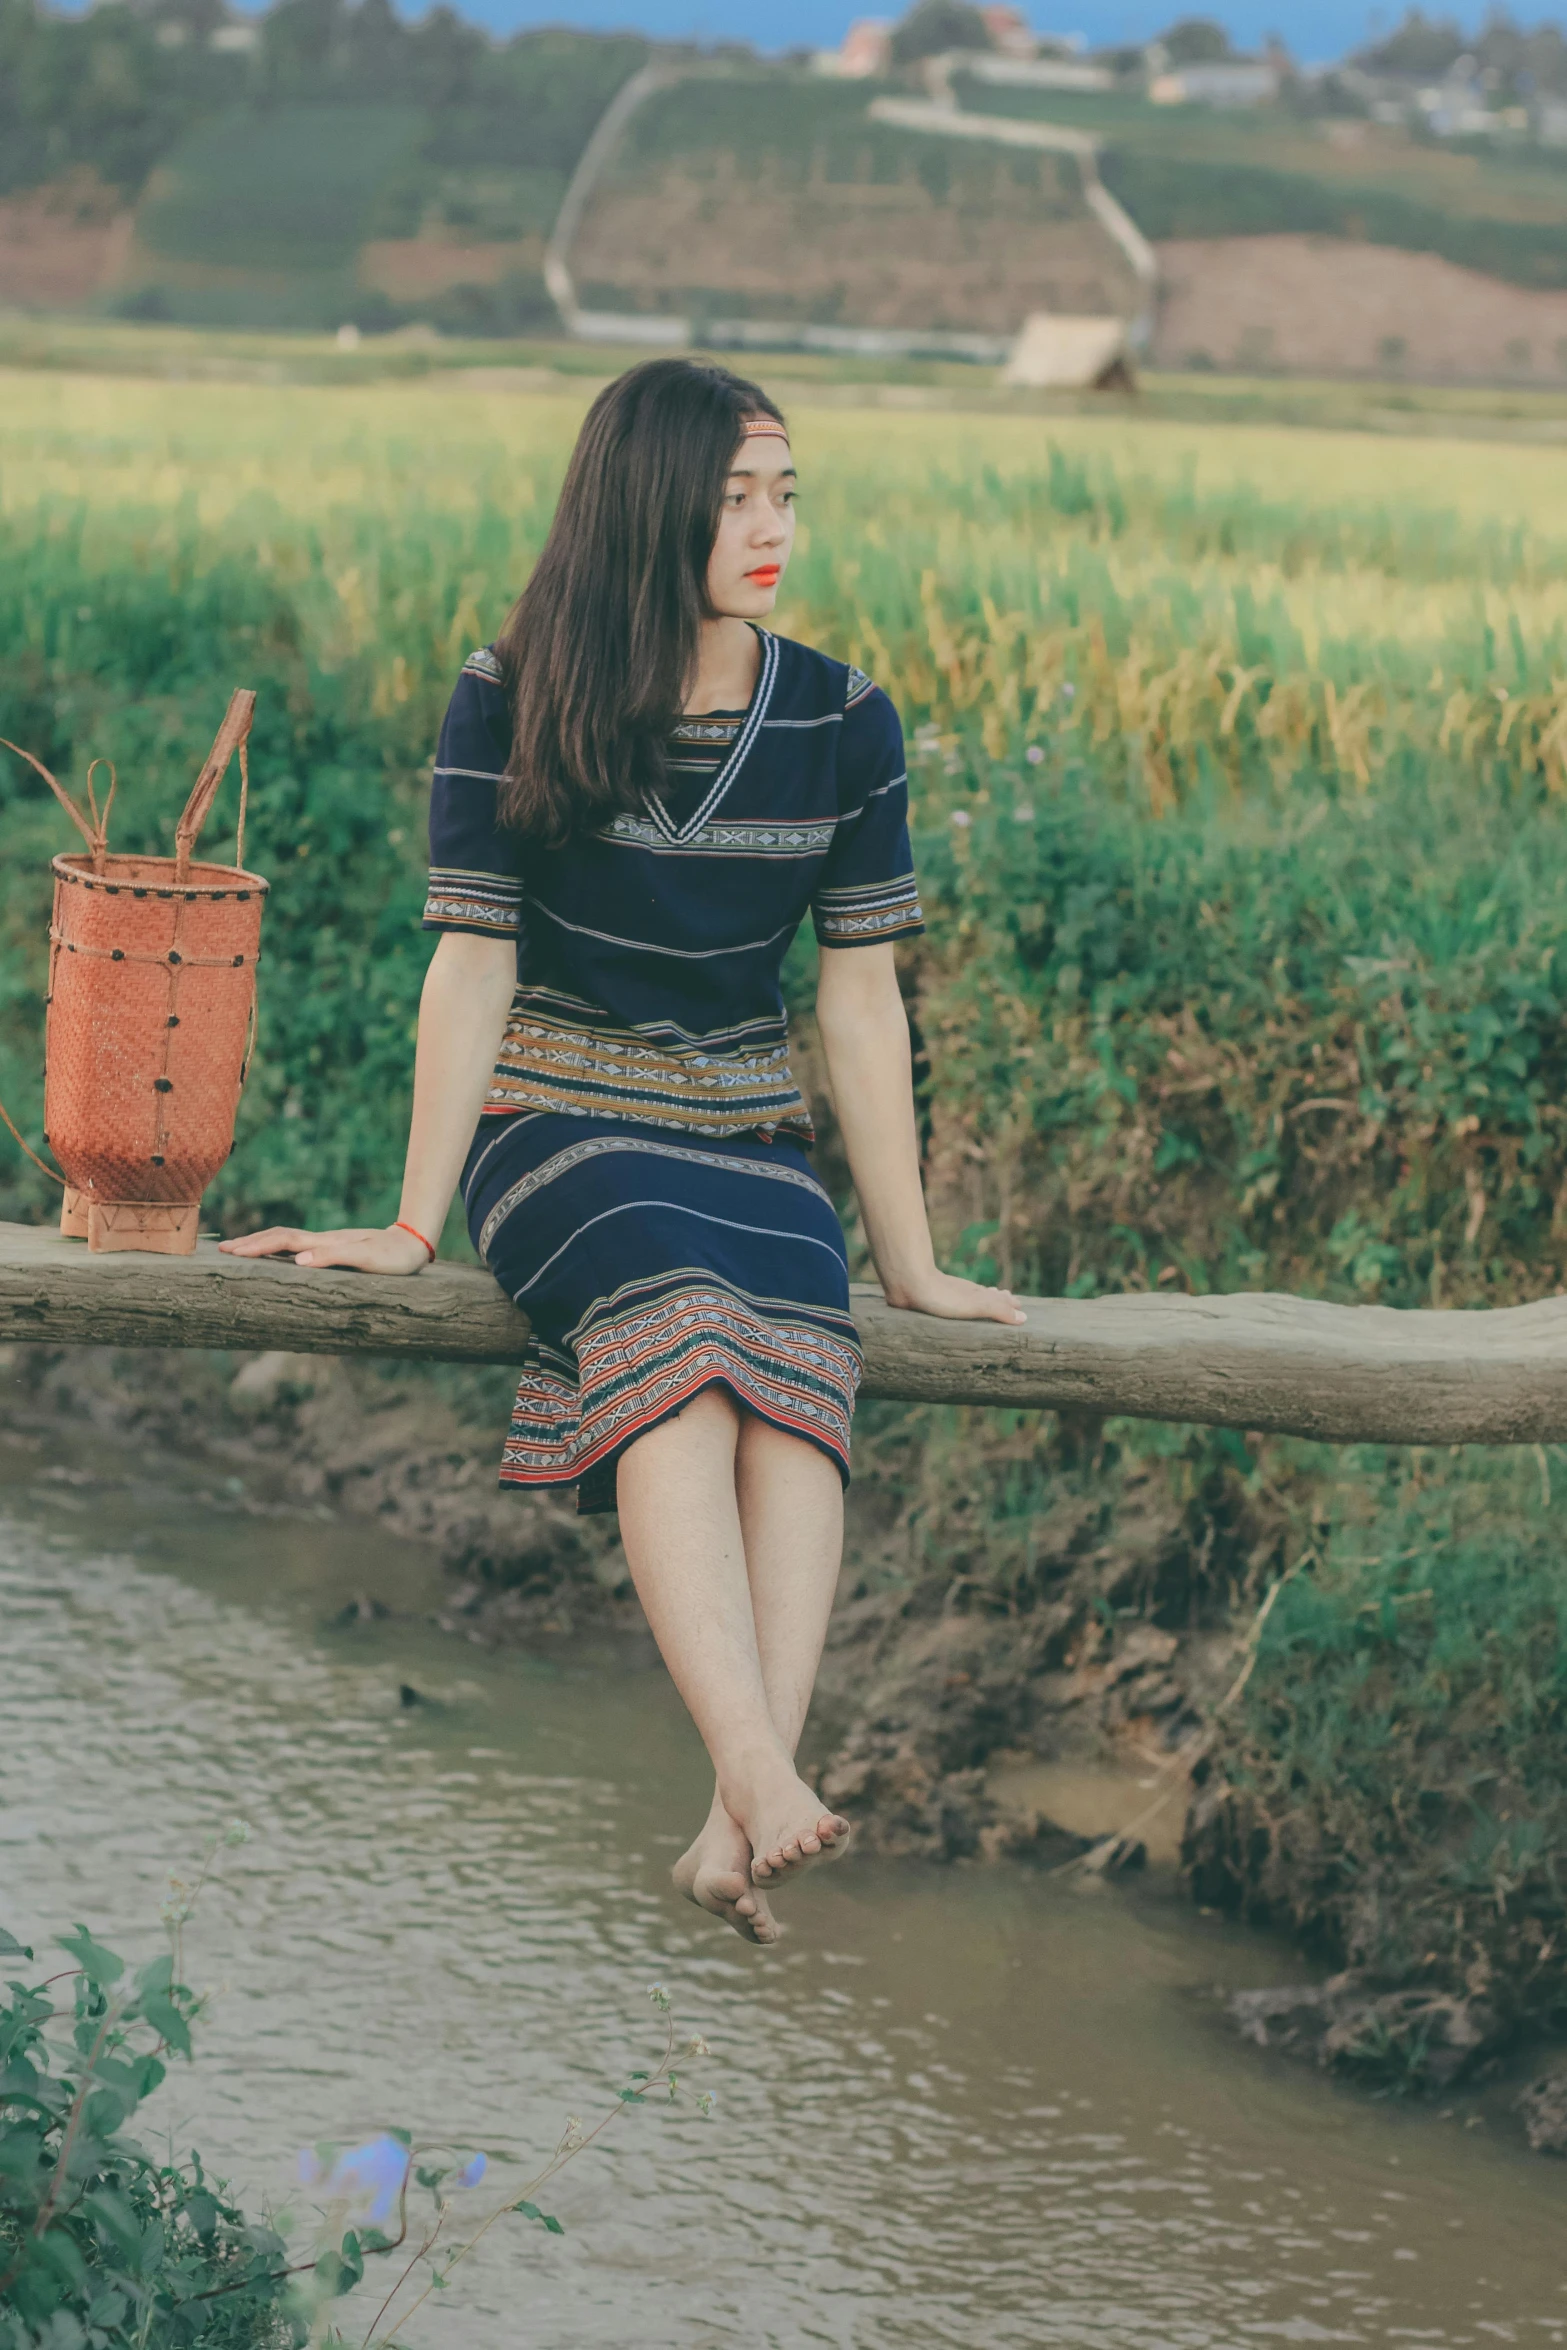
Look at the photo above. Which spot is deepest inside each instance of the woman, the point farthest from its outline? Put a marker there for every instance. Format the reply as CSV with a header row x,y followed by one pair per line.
x,y
638,795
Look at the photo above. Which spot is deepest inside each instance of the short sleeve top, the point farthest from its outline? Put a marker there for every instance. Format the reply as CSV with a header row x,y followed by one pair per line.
x,y
649,951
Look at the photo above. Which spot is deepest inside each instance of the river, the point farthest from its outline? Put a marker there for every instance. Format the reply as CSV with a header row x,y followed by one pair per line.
x,y
973,2106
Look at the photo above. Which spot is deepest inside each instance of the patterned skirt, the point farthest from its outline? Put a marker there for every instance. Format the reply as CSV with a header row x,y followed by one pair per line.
x,y
653,1263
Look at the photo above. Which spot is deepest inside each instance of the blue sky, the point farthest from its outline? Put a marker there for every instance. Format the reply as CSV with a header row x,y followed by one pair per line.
x,y
1314,29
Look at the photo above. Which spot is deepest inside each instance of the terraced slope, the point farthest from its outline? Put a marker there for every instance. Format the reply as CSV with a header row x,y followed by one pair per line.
x,y
772,198
1187,172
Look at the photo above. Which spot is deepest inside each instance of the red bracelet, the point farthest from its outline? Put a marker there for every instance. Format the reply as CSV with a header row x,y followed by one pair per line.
x,y
400,1226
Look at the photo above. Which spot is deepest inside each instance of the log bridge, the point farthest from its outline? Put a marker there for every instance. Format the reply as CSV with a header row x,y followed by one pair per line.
x,y
1282,1365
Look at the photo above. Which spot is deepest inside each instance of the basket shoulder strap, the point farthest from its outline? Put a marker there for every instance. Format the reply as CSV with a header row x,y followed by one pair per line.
x,y
231,735
92,835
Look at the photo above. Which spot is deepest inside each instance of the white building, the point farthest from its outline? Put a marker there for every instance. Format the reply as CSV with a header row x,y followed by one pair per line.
x,y
1226,82
1040,73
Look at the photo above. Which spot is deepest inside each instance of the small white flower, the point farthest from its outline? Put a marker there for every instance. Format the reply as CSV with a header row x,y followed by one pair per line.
x,y
1022,813
697,2046
659,1994
961,817
1033,754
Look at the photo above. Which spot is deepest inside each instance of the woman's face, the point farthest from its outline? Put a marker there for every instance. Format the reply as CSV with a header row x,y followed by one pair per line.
x,y
755,529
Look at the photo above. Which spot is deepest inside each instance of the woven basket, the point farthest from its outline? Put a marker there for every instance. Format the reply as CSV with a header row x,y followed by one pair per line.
x,y
151,1017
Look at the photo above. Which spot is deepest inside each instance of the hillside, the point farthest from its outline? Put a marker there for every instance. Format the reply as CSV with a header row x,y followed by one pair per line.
x,y
819,215
349,166
330,163
1190,171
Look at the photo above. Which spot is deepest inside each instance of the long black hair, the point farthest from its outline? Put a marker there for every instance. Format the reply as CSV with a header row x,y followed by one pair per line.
x,y
602,645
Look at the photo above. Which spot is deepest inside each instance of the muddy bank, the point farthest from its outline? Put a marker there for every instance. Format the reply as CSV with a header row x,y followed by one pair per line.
x,y
1055,1682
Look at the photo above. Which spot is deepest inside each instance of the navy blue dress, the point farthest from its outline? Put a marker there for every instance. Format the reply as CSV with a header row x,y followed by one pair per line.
x,y
639,1182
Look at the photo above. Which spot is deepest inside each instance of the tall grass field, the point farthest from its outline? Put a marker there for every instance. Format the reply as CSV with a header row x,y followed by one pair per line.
x,y
1239,773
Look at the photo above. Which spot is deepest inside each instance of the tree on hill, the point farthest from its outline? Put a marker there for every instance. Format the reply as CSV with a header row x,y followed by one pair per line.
x,y
108,90
1421,44
936,25
118,88
1426,47
1196,40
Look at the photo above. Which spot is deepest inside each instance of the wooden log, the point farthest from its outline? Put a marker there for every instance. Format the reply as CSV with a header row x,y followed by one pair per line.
x,y
1343,1374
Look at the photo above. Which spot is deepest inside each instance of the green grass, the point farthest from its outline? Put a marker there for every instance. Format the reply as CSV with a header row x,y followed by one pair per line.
x,y
1390,1789
247,355
291,188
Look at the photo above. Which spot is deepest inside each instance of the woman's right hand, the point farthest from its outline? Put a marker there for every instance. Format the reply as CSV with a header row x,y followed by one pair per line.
x,y
386,1248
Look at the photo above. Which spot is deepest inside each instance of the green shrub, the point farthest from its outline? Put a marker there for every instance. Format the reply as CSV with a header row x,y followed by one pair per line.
x,y
1178,196
1390,1787
278,188
1320,1047
103,2246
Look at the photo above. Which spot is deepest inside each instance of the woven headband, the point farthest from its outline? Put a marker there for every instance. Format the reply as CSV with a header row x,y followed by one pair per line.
x,y
763,424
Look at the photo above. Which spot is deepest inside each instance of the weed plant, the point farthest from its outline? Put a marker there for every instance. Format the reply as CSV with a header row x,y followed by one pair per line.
x,y
103,2246
1392,1789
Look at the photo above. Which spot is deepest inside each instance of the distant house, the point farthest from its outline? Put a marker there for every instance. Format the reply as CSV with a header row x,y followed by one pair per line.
x,y
1056,354
1009,32
1040,73
1239,81
1455,107
866,51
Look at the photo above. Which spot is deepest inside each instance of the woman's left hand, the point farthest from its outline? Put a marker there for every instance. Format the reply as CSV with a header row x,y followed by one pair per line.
x,y
954,1300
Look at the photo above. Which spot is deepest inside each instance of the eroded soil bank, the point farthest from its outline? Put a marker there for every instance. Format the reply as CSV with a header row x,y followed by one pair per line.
x,y
1059,1687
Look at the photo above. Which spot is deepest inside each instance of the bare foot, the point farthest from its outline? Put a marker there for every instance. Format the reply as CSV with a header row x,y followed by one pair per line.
x,y
790,1829
716,1875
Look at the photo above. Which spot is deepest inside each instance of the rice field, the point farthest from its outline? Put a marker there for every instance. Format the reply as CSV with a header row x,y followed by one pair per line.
x,y
1191,603
1212,730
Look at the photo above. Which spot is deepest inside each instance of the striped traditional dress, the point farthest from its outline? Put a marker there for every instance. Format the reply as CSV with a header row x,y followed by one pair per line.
x,y
639,1182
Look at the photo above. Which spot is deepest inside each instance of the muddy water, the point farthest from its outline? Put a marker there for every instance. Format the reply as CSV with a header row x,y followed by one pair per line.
x,y
971,2107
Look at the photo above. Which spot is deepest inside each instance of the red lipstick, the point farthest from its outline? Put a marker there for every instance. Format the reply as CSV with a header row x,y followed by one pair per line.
x,y
766,574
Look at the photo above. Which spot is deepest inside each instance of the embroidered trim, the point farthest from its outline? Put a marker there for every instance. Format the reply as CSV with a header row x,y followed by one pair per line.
x,y
726,839
573,1065
484,664
644,1287
490,902
635,1367
844,929
736,759
708,730
554,1004
879,910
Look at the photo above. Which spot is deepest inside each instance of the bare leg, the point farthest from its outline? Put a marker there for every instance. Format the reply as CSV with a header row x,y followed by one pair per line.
x,y
680,1521
791,1517
790,1499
